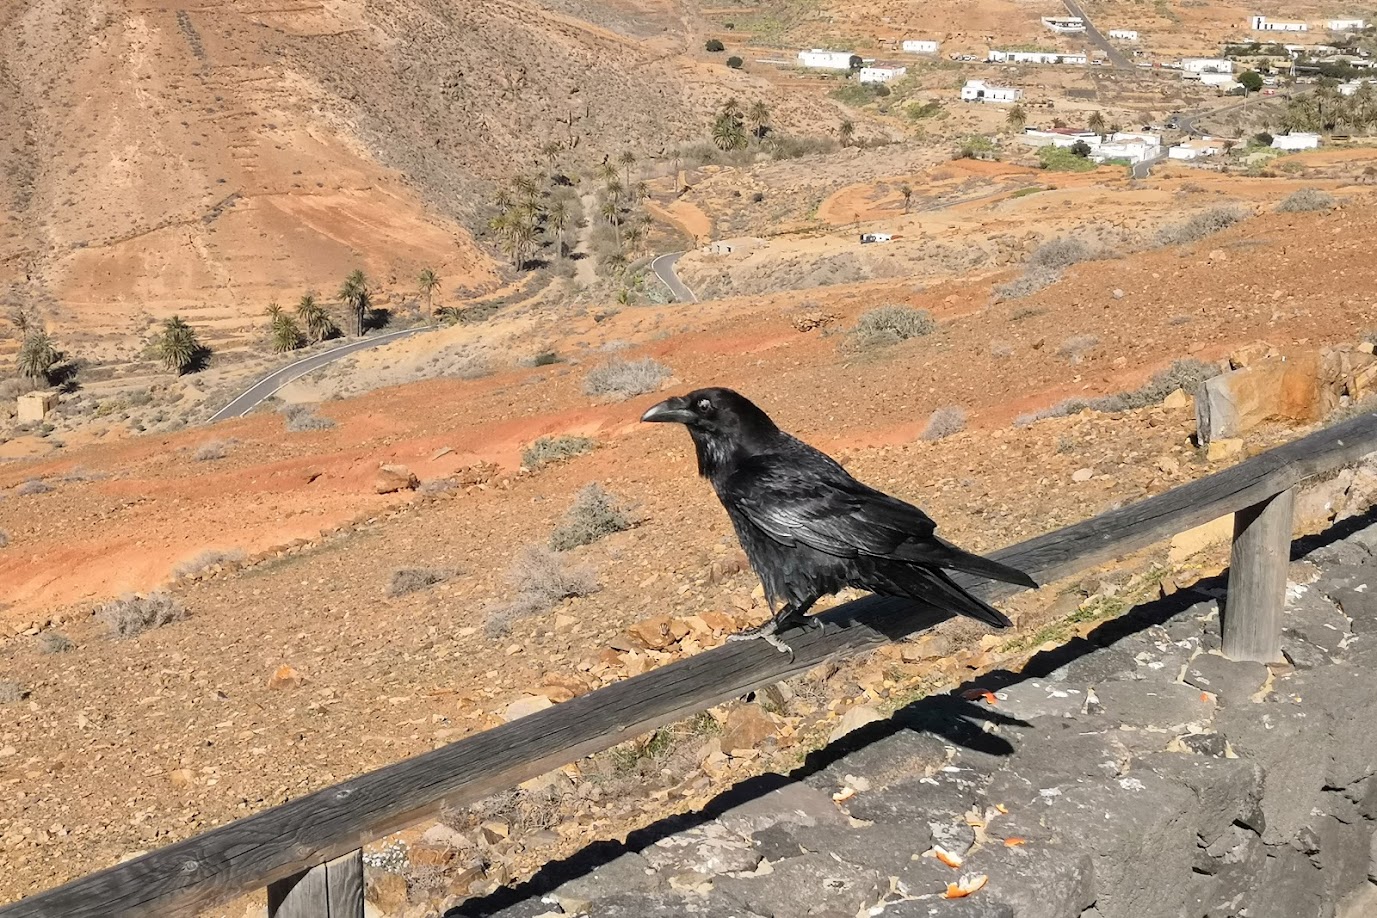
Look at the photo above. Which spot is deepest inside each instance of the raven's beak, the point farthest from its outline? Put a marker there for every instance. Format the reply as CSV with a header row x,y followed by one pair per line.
x,y
671,410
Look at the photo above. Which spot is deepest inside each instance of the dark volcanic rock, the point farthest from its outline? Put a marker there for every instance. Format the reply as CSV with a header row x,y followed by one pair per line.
x,y
814,884
1232,682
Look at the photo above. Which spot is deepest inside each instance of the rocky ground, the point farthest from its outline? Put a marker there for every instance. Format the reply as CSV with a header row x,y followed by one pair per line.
x,y
1132,773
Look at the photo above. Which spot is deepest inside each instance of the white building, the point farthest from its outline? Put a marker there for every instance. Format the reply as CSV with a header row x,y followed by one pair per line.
x,y
980,91
1036,57
1345,25
881,73
826,60
1064,24
1194,149
1222,80
1206,65
1296,141
1263,24
1124,34
1134,151
921,45
1059,137
1352,86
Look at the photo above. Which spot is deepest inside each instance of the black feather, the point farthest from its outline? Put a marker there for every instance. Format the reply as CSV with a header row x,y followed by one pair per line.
x,y
808,527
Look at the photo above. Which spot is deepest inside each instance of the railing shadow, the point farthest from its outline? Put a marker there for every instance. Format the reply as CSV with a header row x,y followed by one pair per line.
x,y
949,716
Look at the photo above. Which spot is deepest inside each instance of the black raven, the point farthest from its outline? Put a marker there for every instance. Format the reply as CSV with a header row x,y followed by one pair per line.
x,y
809,528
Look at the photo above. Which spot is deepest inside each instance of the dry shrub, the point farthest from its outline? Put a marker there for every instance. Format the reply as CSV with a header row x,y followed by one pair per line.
x,y
208,559
1077,346
555,449
4,538
1026,284
54,642
414,579
33,486
944,422
622,379
595,514
541,579
888,325
1188,374
209,452
304,417
1306,199
11,692
1059,253
130,616
1205,223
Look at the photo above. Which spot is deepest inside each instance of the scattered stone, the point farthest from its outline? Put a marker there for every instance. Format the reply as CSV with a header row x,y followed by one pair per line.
x,y
748,726
286,677
1081,475
524,706
1223,449
385,890
1176,400
854,719
393,478
1268,390
709,850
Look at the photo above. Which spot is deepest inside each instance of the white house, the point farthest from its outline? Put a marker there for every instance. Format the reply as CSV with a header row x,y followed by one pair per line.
x,y
980,91
1059,137
1064,24
1196,148
921,45
1206,65
881,73
1296,141
1124,34
826,60
1213,79
1036,57
876,237
1263,24
1345,25
1135,151
1352,86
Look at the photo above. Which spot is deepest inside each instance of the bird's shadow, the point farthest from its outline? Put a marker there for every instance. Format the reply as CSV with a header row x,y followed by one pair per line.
x,y
950,716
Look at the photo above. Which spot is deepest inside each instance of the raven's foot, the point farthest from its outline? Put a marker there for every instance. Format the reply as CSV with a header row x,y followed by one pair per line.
x,y
768,632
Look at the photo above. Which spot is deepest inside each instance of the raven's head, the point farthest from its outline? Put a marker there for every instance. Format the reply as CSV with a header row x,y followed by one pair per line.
x,y
725,425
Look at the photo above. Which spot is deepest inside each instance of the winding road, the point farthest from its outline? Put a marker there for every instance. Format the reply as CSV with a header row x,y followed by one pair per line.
x,y
664,270
266,387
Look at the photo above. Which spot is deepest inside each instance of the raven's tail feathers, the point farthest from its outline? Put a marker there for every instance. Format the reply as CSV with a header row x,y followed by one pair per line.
x,y
953,597
956,559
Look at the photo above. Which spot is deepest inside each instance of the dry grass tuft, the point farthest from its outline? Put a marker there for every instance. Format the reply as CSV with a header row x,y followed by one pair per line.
x,y
944,422
619,380
303,417
541,579
414,579
131,616
1304,200
546,450
885,326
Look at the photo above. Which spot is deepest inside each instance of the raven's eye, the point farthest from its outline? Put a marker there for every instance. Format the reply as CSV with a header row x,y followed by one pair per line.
x,y
704,406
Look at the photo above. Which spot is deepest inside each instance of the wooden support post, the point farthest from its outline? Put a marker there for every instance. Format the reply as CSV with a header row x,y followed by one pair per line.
x,y
330,890
1257,579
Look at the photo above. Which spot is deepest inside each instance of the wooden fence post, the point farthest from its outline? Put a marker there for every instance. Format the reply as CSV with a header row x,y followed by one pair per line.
x,y
330,890
1257,579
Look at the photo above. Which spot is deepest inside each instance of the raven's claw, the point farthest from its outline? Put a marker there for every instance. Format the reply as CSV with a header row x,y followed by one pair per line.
x,y
768,632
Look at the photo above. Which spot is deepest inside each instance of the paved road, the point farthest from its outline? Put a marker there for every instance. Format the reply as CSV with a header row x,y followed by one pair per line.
x,y
664,270
253,396
1144,169
1116,57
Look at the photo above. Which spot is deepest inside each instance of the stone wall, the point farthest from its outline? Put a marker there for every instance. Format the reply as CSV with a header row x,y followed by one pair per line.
x,y
1132,774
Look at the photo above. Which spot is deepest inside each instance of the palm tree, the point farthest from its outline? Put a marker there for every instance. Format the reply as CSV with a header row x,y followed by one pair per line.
x,y
846,132
611,212
614,190
503,199
559,218
36,356
551,152
285,334
177,346
731,108
642,191
428,282
607,171
628,159
22,320
353,293
1095,122
521,235
728,133
907,191
1017,119
759,117
313,317
634,235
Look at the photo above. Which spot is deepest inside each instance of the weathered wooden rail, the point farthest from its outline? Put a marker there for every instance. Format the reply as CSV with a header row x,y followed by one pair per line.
x,y
307,852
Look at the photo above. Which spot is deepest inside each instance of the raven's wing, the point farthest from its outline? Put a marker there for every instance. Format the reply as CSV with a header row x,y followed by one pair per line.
x,y
801,499
805,497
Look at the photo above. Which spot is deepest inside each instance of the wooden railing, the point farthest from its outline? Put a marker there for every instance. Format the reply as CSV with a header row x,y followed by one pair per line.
x,y
308,852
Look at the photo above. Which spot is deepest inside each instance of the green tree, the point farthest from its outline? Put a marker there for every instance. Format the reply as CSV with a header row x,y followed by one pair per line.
x,y
607,171
283,331
559,219
551,152
315,319
22,320
735,62
37,356
732,108
1017,119
907,191
428,282
714,46
728,133
177,346
758,116
846,132
355,296
615,190
1095,122
855,62
1251,81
